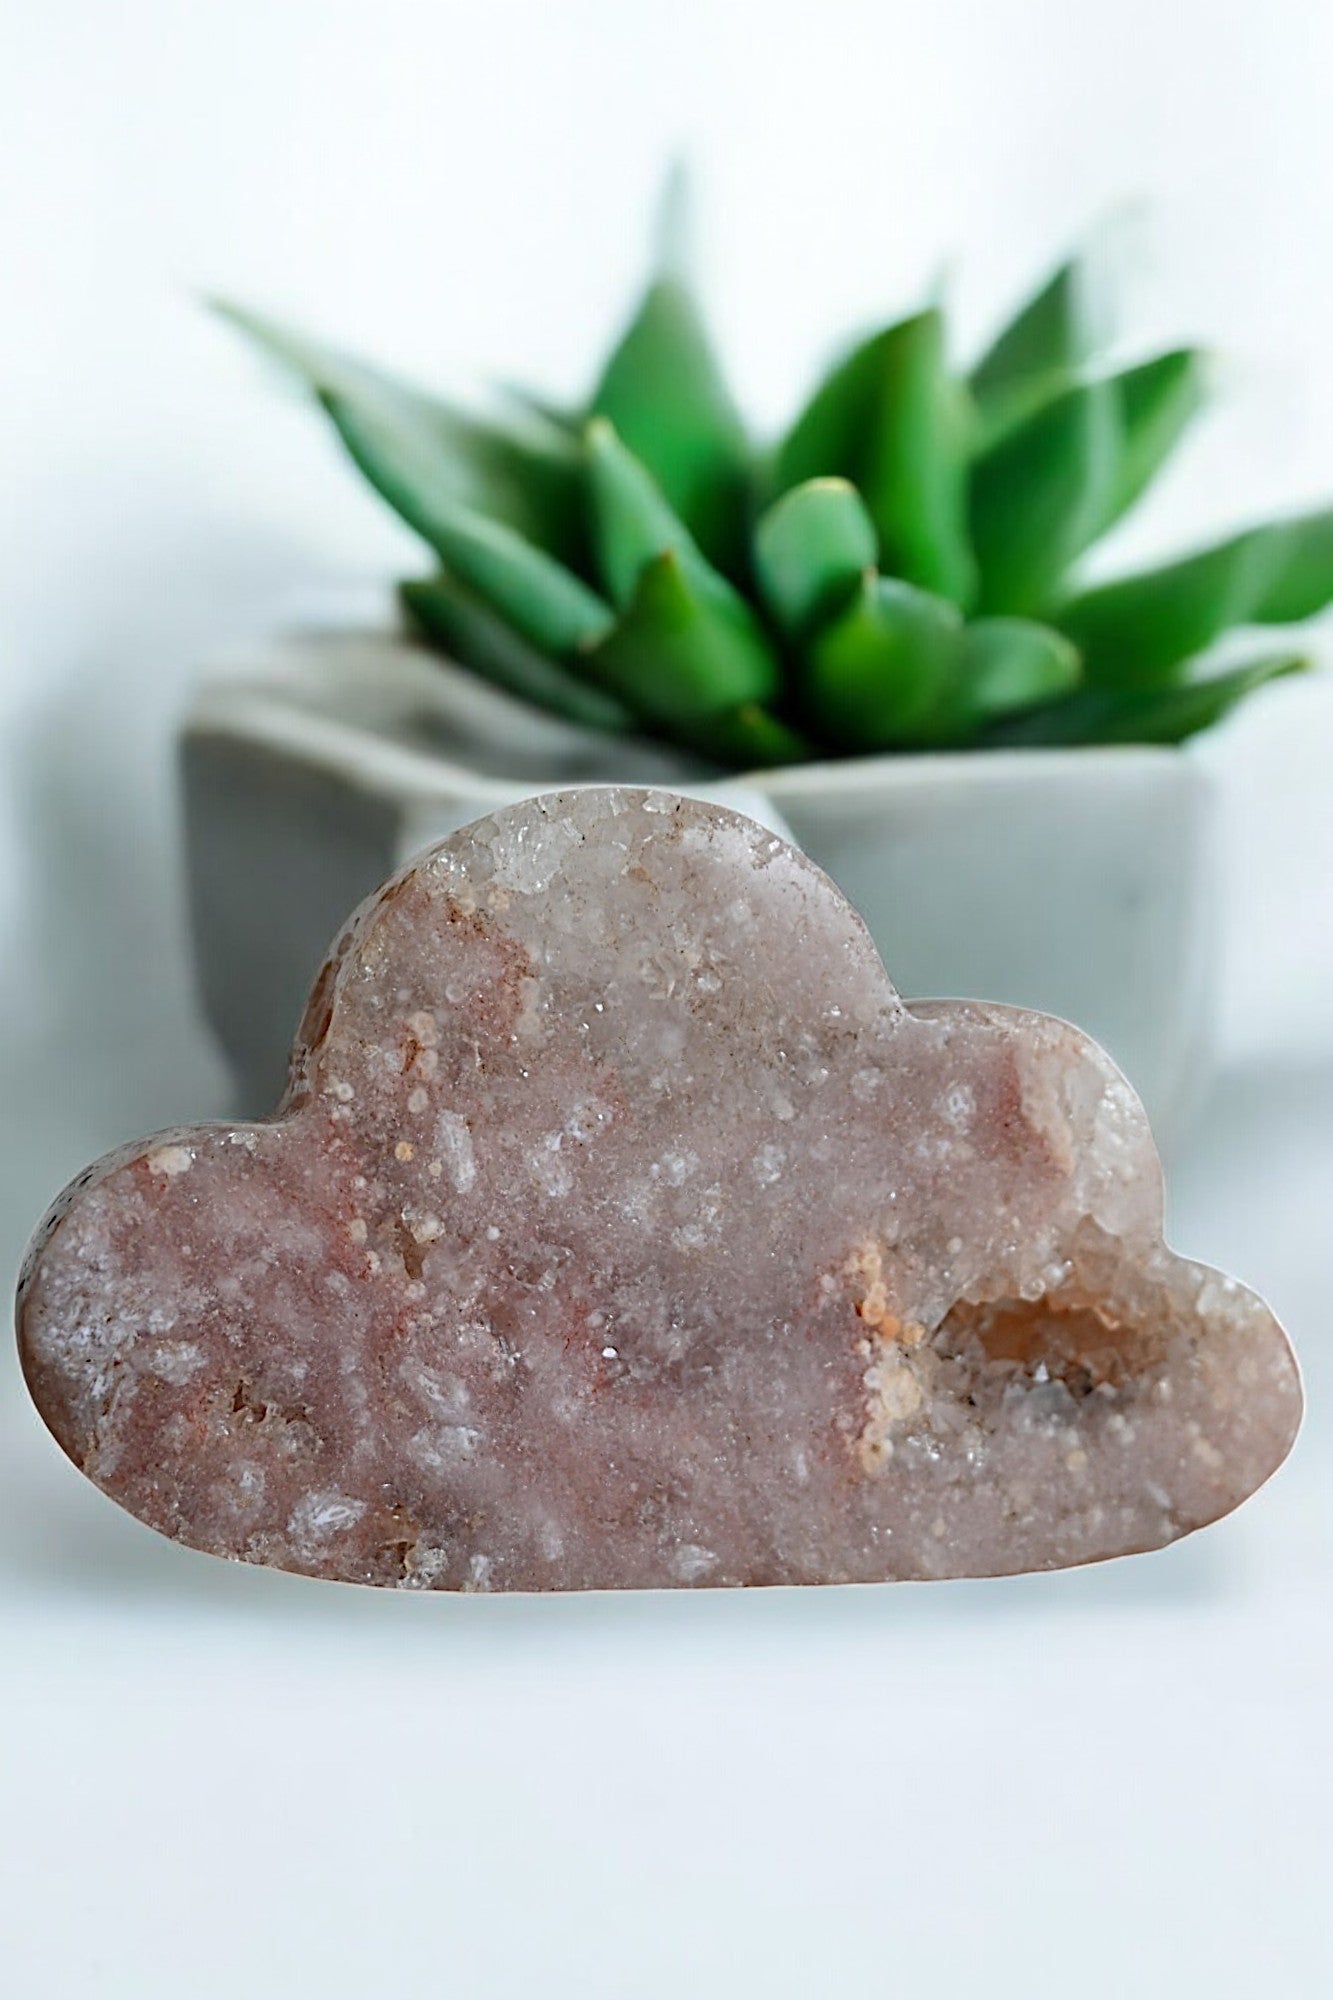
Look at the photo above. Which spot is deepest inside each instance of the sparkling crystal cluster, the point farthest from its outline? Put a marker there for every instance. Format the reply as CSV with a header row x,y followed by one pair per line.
x,y
622,1227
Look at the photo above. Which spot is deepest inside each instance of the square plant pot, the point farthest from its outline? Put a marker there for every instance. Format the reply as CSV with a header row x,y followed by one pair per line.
x,y
1079,882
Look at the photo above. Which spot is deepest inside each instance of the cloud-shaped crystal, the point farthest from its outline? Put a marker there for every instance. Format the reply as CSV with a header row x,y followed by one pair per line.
x,y
622,1227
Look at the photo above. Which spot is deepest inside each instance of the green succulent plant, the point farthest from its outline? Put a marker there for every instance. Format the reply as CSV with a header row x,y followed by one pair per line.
x,y
899,572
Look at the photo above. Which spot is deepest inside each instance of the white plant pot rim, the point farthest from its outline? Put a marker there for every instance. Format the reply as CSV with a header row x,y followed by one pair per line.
x,y
279,694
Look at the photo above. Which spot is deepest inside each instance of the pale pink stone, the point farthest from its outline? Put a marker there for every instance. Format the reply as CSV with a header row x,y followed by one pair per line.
x,y
621,1226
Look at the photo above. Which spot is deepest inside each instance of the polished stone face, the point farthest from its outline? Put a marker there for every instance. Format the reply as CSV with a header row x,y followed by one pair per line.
x,y
622,1227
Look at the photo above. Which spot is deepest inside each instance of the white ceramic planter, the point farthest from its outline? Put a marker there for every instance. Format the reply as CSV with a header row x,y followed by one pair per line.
x,y
1079,882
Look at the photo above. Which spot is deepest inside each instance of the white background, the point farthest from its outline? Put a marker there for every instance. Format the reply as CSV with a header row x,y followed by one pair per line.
x,y
216,1783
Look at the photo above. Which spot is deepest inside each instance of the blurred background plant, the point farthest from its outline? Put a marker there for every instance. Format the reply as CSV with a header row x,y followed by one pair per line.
x,y
900,571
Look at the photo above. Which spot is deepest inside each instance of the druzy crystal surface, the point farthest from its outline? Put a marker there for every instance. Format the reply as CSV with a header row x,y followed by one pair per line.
x,y
621,1226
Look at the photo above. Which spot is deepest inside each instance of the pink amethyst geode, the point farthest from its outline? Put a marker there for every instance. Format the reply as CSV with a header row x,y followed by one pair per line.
x,y
621,1226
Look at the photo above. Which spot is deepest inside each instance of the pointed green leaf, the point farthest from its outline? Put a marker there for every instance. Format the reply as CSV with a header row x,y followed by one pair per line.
x,y
471,633
664,392
1040,495
811,549
1078,459
1158,400
1009,664
418,451
1137,631
1040,352
633,528
1301,582
528,589
1049,333
682,653
749,738
631,519
892,420
1143,715
874,677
